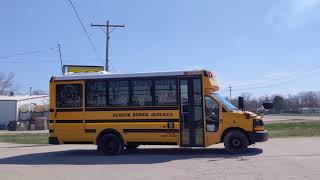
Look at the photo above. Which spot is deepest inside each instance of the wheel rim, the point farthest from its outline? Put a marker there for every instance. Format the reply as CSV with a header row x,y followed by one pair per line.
x,y
110,146
236,142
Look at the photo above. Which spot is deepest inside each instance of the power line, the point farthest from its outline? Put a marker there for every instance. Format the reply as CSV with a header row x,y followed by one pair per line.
x,y
84,29
277,82
27,53
14,62
293,75
30,59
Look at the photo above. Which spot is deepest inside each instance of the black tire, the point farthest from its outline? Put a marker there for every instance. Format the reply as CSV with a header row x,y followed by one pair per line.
x,y
131,146
236,142
110,144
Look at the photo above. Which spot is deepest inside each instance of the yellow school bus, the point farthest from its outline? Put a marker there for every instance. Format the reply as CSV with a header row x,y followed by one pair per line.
x,y
123,111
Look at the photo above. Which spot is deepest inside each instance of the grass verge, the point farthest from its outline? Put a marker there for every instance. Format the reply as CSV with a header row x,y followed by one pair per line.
x,y
293,129
290,129
25,138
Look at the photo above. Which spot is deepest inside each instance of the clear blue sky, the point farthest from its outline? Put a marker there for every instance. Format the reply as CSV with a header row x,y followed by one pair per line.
x,y
268,46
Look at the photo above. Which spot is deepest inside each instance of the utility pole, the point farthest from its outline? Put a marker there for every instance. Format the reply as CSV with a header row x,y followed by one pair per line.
x,y
108,32
60,59
30,89
230,90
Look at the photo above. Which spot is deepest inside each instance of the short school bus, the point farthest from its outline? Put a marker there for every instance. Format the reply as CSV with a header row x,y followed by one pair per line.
x,y
123,111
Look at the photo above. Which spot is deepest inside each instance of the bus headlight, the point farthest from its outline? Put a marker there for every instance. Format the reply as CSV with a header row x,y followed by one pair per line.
x,y
258,125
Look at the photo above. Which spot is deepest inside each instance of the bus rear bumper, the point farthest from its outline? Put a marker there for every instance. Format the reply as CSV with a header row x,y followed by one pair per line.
x,y
53,140
259,136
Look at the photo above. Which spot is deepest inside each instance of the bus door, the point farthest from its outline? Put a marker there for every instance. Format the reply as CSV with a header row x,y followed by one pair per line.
x,y
213,118
191,119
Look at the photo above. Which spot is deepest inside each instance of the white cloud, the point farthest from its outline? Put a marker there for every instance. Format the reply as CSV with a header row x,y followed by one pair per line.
x,y
293,13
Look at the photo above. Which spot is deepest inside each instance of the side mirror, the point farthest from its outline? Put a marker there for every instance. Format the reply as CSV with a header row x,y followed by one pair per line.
x,y
240,103
267,105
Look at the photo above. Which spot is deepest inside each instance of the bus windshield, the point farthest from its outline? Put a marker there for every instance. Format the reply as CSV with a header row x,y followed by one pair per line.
x,y
225,102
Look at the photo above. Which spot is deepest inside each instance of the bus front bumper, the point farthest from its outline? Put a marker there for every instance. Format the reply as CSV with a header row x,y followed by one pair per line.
x,y
259,136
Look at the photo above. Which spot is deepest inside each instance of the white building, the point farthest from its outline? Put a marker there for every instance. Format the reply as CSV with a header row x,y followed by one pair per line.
x,y
9,106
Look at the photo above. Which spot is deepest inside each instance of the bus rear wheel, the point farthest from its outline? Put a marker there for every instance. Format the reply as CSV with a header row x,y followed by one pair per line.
x,y
236,142
110,144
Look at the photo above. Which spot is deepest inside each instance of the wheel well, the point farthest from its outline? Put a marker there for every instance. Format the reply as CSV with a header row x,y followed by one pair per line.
x,y
109,131
234,128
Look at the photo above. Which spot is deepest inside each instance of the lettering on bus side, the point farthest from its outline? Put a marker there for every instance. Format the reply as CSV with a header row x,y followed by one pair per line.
x,y
142,114
161,114
121,115
168,135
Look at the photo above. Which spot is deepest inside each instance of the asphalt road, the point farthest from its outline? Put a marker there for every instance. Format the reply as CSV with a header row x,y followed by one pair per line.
x,y
277,159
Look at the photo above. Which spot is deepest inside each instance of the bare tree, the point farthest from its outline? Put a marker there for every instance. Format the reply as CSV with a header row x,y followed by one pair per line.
x,y
251,103
303,102
6,83
293,103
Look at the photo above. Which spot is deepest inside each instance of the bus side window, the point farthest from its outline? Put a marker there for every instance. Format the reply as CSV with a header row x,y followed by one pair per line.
x,y
166,92
119,92
68,95
96,93
141,92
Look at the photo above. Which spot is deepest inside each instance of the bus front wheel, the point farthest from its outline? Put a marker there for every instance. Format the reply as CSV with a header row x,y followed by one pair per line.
x,y
236,142
110,144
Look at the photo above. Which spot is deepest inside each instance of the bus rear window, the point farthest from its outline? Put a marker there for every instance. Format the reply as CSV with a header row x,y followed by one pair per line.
x,y
68,95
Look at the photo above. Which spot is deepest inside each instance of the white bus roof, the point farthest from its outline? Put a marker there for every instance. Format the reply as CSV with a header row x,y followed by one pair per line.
x,y
105,75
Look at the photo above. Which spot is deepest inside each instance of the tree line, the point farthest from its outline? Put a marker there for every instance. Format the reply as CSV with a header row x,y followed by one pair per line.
x,y
302,102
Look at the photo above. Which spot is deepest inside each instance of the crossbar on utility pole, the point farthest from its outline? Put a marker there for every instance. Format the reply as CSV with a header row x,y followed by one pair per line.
x,y
108,32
